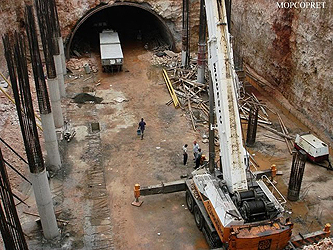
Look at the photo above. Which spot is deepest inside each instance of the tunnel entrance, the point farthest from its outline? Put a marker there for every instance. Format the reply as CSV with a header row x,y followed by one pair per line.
x,y
133,22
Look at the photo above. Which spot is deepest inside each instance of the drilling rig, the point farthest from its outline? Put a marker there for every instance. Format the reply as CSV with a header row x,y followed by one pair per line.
x,y
231,206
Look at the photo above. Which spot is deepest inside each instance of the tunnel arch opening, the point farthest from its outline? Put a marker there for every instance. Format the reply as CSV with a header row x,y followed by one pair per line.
x,y
132,21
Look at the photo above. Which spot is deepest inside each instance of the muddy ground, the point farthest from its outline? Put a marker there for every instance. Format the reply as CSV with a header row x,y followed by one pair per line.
x,y
93,191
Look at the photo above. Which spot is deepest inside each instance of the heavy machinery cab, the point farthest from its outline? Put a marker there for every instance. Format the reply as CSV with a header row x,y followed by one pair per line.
x,y
235,219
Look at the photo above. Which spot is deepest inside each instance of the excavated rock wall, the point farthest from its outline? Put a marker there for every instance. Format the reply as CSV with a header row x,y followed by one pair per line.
x,y
292,49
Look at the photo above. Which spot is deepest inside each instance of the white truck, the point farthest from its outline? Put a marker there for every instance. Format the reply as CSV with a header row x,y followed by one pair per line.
x,y
111,53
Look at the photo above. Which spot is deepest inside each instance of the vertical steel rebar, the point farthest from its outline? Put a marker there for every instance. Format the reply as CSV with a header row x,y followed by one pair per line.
x,y
185,35
10,226
296,175
50,48
202,44
37,66
252,126
228,9
17,66
50,137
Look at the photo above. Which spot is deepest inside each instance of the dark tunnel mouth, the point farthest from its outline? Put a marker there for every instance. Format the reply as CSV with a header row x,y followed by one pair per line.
x,y
93,13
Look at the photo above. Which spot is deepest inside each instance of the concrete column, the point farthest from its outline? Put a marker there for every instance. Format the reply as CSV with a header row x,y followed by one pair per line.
x,y
60,75
51,143
62,55
55,102
44,202
184,54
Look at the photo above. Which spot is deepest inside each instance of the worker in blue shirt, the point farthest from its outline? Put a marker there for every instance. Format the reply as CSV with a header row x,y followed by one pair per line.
x,y
142,126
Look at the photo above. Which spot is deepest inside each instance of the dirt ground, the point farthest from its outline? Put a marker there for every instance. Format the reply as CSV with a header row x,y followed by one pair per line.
x,y
94,189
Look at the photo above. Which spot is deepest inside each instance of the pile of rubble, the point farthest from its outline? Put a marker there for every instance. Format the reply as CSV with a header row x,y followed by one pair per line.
x,y
250,101
191,95
82,63
324,244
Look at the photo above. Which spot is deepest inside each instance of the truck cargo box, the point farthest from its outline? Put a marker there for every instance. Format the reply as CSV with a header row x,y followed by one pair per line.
x,y
111,52
315,149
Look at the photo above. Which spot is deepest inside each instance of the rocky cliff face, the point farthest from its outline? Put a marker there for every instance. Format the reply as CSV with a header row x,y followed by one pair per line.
x,y
292,49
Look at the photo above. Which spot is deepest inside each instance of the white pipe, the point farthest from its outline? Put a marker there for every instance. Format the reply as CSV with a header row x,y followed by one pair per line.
x,y
51,143
60,75
55,102
62,55
44,204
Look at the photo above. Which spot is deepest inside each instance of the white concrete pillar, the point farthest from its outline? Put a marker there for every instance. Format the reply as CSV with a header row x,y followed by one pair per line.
x,y
55,102
51,143
183,58
60,75
44,203
62,55
201,75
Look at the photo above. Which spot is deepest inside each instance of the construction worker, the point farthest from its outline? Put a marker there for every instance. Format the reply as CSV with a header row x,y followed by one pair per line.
x,y
185,154
142,127
197,161
195,150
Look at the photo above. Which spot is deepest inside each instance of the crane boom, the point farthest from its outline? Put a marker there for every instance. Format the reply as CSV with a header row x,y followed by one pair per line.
x,y
220,62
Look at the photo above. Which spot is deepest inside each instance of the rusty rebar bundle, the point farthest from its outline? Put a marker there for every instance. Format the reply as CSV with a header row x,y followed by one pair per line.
x,y
54,17
186,32
296,175
18,72
10,226
41,89
49,41
252,126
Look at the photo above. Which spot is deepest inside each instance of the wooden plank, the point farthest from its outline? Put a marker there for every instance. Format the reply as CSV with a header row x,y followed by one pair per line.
x,y
272,137
283,131
191,114
164,188
276,132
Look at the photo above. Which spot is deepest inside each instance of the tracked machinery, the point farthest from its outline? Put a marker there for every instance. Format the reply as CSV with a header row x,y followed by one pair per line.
x,y
233,207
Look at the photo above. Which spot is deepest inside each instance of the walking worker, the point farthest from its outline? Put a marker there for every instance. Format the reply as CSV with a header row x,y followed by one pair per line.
x,y
142,127
195,150
198,160
185,153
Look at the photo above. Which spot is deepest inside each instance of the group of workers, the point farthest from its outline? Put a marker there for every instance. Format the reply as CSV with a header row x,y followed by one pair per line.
x,y
197,153
199,158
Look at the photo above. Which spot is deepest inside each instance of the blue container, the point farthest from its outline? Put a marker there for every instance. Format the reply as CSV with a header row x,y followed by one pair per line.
x,y
138,132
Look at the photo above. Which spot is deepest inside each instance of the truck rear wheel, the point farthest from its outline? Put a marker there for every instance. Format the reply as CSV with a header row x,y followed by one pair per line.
x,y
198,217
189,201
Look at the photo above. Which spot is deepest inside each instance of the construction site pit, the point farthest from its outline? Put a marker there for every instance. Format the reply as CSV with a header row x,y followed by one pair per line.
x,y
93,191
